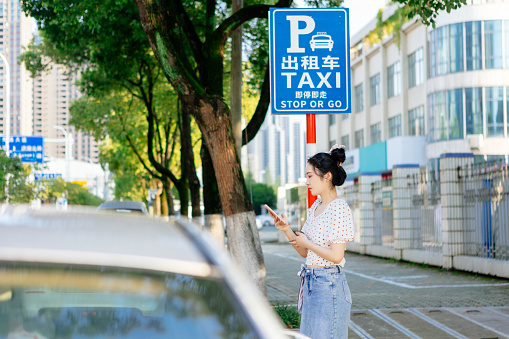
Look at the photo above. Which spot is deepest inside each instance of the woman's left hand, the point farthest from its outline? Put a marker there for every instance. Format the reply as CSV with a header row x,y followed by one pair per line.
x,y
300,240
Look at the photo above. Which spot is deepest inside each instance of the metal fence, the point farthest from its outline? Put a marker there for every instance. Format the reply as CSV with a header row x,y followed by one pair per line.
x,y
485,214
425,211
351,195
382,212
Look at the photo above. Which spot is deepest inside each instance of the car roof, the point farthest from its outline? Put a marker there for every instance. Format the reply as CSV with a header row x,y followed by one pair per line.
x,y
127,204
90,238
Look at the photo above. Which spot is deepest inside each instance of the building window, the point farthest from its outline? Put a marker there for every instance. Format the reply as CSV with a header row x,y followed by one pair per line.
x,y
474,111
473,45
359,98
415,68
507,108
432,54
376,133
442,50
332,119
493,44
394,80
440,116
456,48
345,140
332,143
455,111
431,117
374,89
416,121
395,126
494,111
359,139
506,32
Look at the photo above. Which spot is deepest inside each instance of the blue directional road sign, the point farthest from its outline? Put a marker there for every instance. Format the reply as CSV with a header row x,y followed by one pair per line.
x,y
29,148
310,60
46,176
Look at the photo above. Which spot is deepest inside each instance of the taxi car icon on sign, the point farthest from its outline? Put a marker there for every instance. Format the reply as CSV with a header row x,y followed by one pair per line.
x,y
321,40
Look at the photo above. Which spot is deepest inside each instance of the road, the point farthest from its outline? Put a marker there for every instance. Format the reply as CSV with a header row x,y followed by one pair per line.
x,y
392,299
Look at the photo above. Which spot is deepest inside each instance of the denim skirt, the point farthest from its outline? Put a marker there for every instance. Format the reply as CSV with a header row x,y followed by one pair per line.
x,y
326,303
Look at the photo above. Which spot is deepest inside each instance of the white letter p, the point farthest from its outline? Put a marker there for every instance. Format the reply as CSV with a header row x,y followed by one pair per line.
x,y
295,31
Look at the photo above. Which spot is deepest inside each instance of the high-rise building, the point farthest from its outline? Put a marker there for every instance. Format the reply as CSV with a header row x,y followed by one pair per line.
x,y
52,96
15,32
276,155
37,105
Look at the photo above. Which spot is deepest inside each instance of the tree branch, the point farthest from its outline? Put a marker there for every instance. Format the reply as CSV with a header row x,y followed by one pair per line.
x,y
135,150
159,22
190,32
260,112
247,13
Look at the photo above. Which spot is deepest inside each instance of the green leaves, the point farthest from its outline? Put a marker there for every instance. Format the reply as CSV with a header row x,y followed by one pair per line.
x,y
428,10
14,180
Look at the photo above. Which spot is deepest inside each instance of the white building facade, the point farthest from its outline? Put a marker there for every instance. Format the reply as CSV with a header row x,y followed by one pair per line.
x,y
430,91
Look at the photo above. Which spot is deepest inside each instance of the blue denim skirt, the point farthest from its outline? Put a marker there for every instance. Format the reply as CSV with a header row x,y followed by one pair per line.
x,y
326,303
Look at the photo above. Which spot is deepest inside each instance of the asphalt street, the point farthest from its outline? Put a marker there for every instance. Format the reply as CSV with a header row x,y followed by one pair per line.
x,y
392,299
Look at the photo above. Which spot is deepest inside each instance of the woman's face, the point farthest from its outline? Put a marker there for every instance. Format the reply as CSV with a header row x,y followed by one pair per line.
x,y
316,184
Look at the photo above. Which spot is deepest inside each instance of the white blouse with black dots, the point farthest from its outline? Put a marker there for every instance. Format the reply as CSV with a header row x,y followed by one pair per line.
x,y
333,225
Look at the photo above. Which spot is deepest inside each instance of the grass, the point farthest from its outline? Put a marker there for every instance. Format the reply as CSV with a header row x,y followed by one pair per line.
x,y
288,314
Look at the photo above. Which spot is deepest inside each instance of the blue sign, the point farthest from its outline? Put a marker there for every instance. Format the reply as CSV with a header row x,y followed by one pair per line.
x,y
310,60
46,176
29,148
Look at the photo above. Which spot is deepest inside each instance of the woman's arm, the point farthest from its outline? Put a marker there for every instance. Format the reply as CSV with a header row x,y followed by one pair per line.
x,y
282,224
334,254
291,237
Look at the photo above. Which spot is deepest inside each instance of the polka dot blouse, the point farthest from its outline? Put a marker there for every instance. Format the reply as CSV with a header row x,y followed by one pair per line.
x,y
333,225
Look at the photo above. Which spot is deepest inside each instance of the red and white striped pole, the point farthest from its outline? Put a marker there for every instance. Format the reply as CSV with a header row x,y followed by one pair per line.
x,y
310,146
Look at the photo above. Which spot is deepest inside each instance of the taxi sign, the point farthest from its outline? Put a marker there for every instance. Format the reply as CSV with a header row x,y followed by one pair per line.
x,y
309,60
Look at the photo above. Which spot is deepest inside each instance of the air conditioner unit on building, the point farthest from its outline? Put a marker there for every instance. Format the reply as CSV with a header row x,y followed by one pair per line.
x,y
475,141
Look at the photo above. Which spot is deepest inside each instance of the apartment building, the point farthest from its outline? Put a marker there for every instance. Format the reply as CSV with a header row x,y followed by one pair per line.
x,y
15,32
52,96
37,105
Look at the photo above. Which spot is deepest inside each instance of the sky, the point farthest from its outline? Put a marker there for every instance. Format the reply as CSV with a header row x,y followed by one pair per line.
x,y
361,12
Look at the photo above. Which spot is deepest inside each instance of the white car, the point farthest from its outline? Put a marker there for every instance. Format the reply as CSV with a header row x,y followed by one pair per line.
x,y
66,274
127,206
265,219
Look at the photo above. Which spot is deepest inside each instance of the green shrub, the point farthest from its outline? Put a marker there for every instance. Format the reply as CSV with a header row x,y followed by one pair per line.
x,y
289,314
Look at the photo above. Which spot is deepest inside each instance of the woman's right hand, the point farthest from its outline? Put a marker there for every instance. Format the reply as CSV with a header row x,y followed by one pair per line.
x,y
280,222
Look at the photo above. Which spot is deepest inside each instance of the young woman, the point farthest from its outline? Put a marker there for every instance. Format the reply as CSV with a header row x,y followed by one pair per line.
x,y
324,296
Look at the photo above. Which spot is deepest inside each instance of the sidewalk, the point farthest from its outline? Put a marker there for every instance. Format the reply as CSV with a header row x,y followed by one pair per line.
x,y
390,296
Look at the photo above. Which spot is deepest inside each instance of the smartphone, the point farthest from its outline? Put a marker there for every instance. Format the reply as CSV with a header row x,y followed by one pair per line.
x,y
271,212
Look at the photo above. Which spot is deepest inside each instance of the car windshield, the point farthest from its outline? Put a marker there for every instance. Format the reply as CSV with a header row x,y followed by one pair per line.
x,y
64,301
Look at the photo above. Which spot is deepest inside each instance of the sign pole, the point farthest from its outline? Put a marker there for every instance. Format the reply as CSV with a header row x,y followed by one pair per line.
x,y
310,146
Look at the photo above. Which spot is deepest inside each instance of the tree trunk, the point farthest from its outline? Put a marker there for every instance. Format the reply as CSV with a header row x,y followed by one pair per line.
x,y
243,239
203,93
187,156
167,197
213,220
236,81
183,190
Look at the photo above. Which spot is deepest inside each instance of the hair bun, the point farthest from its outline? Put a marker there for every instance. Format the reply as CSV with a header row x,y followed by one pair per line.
x,y
338,154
